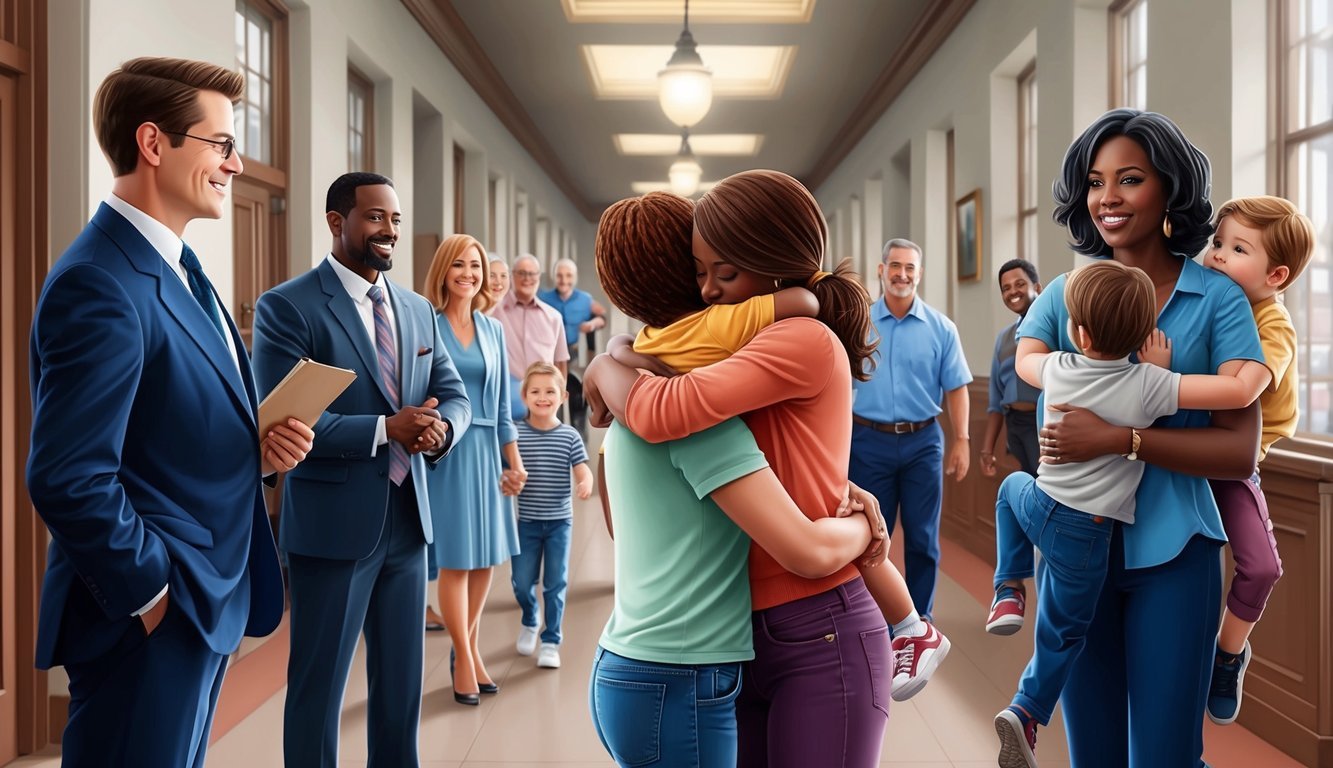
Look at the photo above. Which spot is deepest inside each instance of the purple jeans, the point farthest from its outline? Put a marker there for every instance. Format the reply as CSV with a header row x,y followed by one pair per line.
x,y
817,692
1250,534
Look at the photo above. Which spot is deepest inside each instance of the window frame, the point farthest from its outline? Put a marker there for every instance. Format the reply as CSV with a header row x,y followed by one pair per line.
x,y
362,87
273,173
1026,82
1121,69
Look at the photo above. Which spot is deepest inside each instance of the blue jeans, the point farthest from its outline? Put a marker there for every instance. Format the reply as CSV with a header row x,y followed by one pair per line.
x,y
542,541
906,472
677,715
1075,549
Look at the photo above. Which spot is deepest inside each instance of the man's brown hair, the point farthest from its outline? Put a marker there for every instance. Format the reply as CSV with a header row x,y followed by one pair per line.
x,y
1115,304
1288,236
644,261
454,247
155,90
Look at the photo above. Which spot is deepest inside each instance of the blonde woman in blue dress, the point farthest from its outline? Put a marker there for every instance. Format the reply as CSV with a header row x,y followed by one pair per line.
x,y
475,523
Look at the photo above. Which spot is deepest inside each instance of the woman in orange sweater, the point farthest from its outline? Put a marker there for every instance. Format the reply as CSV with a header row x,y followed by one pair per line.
x,y
818,689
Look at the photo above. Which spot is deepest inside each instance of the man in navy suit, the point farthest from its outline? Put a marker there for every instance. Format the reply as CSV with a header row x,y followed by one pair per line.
x,y
146,460
355,516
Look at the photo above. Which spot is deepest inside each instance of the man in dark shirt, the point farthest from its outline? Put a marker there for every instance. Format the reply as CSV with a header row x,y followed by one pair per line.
x,y
1013,401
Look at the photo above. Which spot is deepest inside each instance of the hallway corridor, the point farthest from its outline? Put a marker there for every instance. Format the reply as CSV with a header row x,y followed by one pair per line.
x,y
540,717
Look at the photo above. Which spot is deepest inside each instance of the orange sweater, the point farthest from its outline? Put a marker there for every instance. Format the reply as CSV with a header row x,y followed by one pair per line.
x,y
793,385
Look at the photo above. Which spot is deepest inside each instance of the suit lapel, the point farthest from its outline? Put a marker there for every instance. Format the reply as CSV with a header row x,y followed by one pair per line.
x,y
176,298
342,307
407,353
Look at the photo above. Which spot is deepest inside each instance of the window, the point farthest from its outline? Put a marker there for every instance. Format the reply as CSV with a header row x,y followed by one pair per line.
x,y
1305,114
460,187
255,60
1027,163
360,122
1129,54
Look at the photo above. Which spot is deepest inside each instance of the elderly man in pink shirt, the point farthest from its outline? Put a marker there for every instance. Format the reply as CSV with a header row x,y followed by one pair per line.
x,y
534,330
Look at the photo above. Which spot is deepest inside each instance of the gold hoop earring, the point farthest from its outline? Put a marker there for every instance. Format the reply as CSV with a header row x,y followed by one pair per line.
x,y
1166,225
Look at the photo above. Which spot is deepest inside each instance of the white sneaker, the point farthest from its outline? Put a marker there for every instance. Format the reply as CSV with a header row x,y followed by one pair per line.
x,y
549,656
527,641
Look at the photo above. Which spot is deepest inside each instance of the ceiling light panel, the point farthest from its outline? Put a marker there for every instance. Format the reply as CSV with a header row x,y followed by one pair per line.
x,y
664,144
718,11
739,71
644,187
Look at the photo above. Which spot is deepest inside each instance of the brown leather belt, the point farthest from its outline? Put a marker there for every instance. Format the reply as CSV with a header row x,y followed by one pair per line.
x,y
894,428
1021,407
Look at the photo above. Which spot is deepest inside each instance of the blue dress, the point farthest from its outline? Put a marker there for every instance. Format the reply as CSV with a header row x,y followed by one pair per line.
x,y
474,524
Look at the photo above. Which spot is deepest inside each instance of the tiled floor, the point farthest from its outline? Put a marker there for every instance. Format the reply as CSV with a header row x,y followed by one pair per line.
x,y
540,717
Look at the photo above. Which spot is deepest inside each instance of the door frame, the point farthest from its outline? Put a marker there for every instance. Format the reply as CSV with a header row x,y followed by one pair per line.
x,y
23,56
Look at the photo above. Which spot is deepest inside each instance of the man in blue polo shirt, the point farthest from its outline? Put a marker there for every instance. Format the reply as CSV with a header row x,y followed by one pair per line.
x,y
581,314
897,445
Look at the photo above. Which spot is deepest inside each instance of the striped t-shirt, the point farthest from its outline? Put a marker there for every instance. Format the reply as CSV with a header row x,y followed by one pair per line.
x,y
549,456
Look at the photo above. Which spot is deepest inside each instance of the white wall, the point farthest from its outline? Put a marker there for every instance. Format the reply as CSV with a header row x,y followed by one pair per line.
x,y
1206,70
384,41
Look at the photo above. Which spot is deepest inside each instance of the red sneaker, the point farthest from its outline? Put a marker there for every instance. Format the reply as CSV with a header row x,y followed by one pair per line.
x,y
1006,611
915,660
1018,739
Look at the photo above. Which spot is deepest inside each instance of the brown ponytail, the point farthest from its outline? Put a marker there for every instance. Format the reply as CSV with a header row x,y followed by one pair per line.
x,y
768,223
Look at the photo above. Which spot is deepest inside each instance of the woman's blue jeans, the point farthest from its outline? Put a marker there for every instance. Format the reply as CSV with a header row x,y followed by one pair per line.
x,y
666,715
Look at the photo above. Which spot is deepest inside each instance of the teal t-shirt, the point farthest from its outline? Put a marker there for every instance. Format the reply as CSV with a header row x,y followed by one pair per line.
x,y
682,575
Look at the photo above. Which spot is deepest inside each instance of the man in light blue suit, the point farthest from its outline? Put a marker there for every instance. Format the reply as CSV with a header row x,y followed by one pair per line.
x,y
355,516
146,459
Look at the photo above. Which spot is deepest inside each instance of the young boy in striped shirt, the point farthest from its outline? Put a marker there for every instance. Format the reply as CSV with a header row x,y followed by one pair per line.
x,y
550,450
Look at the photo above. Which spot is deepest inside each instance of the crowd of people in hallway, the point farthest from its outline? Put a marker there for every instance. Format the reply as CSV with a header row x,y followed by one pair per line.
x,y
766,430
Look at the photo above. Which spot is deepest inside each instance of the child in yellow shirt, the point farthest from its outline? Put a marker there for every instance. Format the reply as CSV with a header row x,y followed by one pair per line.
x,y
736,312
1262,243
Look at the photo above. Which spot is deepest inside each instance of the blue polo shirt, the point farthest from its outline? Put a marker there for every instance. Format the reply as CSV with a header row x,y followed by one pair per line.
x,y
575,310
1006,386
1209,322
918,359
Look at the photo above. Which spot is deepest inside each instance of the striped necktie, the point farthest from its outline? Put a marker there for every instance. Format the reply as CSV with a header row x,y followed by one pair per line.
x,y
200,287
387,351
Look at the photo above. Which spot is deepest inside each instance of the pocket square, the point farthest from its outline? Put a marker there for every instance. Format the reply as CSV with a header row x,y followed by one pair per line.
x,y
424,351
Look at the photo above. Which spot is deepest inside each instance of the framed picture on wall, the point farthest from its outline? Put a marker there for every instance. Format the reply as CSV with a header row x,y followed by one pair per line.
x,y
967,236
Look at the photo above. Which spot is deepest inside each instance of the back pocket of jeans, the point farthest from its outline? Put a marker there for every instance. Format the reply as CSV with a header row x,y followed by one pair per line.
x,y
630,715
1070,548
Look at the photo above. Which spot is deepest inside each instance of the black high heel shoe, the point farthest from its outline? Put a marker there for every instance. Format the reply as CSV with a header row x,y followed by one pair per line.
x,y
470,699
482,687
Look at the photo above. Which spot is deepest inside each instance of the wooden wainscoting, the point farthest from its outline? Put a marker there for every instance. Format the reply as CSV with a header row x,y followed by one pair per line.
x,y
1289,685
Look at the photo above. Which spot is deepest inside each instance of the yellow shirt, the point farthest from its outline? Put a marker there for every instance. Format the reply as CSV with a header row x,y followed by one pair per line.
x,y
1279,402
707,336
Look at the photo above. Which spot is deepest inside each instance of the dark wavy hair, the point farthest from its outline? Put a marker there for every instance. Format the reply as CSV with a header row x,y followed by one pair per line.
x,y
1184,170
644,261
768,223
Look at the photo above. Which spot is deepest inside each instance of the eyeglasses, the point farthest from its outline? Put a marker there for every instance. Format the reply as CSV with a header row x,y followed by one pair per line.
x,y
225,146
526,274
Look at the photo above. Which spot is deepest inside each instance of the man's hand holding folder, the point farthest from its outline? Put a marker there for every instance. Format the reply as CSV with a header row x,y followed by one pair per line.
x,y
294,404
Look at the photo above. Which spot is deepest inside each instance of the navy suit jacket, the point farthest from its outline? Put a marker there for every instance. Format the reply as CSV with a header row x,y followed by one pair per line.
x,y
145,461
335,502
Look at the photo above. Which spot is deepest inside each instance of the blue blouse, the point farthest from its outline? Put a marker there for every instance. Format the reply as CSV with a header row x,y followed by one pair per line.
x,y
1209,322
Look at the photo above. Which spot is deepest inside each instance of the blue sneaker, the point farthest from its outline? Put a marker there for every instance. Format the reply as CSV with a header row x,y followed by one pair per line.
x,y
1224,694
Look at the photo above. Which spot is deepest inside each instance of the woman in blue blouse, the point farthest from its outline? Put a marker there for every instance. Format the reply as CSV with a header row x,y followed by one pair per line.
x,y
474,524
1133,188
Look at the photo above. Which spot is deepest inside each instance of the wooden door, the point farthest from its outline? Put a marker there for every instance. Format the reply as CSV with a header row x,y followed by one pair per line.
x,y
9,463
254,251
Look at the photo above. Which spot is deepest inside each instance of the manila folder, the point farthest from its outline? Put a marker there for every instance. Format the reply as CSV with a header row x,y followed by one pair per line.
x,y
303,394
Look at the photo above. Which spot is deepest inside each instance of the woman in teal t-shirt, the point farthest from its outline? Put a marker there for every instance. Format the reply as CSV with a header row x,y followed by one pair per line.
x,y
1134,189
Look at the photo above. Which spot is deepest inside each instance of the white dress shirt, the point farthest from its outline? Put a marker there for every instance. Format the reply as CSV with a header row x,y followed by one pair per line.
x,y
358,289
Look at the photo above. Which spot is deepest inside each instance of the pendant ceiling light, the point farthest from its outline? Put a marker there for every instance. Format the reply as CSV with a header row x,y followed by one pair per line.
x,y
685,87
686,171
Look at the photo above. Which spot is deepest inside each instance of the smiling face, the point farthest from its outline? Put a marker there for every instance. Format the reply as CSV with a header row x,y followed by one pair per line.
x,y
364,240
1126,196
720,281
465,276
192,179
900,271
566,277
527,278
543,394
1018,291
497,279
1237,251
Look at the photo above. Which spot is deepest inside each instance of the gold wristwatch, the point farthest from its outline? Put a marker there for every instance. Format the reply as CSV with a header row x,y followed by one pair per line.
x,y
1134,441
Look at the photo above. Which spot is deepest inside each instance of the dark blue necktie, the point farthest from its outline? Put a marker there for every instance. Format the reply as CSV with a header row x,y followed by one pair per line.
x,y
200,287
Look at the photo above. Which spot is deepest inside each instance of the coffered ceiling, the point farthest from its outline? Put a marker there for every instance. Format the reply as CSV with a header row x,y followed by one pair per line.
x,y
796,82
